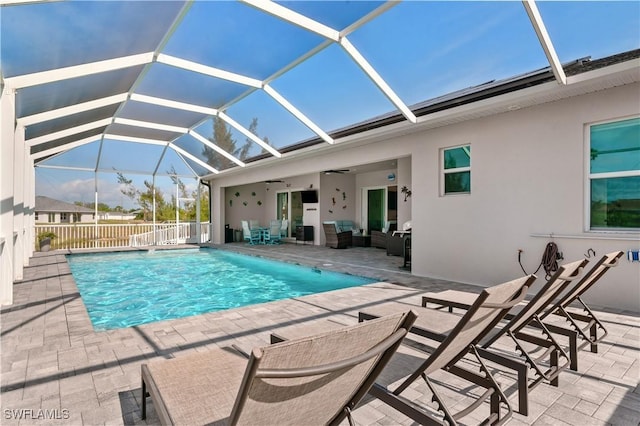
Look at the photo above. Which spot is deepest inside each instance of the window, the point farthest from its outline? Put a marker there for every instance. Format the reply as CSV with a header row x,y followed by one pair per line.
x,y
52,217
63,217
456,169
614,175
36,217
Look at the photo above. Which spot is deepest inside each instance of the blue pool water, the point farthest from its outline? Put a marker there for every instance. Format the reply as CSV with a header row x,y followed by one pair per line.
x,y
132,288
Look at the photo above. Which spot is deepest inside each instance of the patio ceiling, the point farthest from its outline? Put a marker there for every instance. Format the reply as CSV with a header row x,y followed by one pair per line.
x,y
94,78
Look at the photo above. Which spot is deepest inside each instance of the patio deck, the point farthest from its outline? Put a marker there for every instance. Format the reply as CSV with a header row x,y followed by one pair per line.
x,y
54,364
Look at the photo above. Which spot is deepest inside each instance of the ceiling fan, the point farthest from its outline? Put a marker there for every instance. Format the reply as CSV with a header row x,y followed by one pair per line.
x,y
336,172
273,181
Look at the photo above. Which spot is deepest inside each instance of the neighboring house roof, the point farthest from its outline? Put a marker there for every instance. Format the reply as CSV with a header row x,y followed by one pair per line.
x,y
46,204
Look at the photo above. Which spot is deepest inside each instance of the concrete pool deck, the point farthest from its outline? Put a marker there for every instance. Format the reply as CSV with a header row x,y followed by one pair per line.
x,y
55,365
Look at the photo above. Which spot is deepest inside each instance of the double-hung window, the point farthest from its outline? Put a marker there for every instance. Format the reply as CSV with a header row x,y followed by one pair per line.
x,y
614,175
456,170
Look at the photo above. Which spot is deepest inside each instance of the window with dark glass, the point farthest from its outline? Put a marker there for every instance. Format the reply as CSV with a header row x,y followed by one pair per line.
x,y
614,175
457,170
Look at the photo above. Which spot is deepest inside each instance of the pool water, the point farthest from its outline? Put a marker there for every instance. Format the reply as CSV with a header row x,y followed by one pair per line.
x,y
133,288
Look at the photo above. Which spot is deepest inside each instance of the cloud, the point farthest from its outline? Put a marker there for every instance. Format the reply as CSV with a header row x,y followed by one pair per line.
x,y
84,190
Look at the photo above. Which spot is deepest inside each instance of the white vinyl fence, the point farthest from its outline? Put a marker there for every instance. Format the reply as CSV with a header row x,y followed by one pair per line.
x,y
79,235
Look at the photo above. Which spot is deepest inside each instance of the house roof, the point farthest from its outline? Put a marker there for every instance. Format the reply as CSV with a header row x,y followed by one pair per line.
x,y
477,93
46,204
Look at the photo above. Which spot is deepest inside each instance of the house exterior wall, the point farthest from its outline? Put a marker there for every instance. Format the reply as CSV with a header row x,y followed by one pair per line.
x,y
528,181
248,204
338,199
528,176
43,217
236,210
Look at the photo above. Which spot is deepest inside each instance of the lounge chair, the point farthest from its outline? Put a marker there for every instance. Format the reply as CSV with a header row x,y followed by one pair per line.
x,y
252,236
336,238
461,339
313,380
593,330
521,360
523,315
560,306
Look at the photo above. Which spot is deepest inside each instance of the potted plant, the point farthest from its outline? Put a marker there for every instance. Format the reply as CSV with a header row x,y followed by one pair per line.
x,y
44,240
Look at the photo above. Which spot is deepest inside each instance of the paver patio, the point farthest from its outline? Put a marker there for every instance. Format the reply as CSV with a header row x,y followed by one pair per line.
x,y
55,365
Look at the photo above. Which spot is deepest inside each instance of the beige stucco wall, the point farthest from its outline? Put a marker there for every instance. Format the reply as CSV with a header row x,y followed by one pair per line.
x,y
528,177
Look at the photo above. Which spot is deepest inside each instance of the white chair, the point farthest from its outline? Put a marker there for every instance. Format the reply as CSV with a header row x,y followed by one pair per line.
x,y
274,233
284,228
252,236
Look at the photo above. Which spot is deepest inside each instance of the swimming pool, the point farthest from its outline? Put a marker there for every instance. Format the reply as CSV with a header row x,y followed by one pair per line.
x,y
132,288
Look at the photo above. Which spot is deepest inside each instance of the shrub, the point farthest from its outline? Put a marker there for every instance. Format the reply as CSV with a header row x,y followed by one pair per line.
x,y
48,234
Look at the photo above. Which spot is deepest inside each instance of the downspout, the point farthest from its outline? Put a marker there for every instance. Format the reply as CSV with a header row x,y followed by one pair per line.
x,y
198,224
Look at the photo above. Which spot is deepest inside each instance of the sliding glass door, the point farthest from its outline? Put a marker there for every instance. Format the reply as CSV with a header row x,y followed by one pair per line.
x,y
289,206
378,206
375,209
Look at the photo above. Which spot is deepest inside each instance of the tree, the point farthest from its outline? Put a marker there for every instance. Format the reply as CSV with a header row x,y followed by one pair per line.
x,y
101,206
253,128
145,201
222,138
166,210
126,187
204,203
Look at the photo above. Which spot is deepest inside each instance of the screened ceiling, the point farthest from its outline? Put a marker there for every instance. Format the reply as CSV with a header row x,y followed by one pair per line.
x,y
197,88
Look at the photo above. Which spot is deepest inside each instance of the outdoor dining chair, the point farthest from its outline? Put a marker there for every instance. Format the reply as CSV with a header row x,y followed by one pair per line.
x,y
251,235
272,235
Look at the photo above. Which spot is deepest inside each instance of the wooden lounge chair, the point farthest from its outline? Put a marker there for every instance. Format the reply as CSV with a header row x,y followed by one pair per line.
x,y
313,380
461,339
334,238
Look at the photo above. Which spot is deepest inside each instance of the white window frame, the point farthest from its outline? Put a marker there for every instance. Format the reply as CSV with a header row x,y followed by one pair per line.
x,y
444,172
590,176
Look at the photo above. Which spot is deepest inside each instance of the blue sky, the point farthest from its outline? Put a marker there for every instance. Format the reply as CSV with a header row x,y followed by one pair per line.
x,y
422,49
